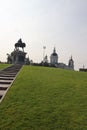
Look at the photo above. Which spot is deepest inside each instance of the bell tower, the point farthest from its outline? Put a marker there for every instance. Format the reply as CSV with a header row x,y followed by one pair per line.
x,y
71,63
54,57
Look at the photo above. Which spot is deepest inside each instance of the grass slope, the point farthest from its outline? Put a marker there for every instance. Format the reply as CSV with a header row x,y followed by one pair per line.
x,y
2,66
46,99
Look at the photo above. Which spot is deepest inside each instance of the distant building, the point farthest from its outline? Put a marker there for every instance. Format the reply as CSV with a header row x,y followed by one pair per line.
x,y
18,56
54,61
83,69
45,59
54,58
71,63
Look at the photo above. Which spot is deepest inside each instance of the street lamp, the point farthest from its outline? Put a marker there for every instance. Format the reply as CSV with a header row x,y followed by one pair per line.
x,y
44,47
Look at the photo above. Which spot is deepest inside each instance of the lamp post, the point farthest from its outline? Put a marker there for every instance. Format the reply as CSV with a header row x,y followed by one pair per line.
x,y
44,47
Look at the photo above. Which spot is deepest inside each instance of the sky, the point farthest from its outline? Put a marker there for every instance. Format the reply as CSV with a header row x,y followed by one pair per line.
x,y
59,23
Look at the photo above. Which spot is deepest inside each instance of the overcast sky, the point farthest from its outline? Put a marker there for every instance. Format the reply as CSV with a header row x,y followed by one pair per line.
x,y
59,23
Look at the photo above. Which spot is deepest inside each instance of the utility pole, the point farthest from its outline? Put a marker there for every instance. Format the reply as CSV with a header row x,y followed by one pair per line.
x,y
44,48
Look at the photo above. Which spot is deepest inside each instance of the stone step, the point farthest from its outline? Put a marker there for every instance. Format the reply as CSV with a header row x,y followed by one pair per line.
x,y
6,78
1,96
4,82
4,85
3,88
7,75
10,70
2,92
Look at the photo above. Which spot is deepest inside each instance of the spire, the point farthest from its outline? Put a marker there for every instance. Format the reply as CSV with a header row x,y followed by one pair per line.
x,y
71,57
46,59
71,63
54,51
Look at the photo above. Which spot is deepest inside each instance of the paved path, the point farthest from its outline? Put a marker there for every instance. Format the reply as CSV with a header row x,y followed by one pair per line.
x,y
7,76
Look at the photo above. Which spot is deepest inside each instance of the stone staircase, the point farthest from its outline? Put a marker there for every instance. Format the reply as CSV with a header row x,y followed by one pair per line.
x,y
7,76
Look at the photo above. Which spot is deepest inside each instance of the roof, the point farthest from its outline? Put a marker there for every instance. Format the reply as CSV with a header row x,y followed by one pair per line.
x,y
54,52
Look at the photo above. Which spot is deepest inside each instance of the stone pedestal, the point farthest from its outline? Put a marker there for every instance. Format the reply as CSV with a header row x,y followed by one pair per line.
x,y
18,57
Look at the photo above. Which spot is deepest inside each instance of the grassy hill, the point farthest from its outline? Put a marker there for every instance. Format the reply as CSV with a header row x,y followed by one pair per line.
x,y
44,98
2,66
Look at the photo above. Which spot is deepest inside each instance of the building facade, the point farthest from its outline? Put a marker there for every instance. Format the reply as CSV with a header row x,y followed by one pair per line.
x,y
54,61
54,57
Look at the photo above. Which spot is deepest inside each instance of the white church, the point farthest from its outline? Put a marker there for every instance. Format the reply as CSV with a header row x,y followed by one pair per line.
x,y
54,61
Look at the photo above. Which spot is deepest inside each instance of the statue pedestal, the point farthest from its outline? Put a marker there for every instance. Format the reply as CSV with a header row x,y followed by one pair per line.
x,y
18,57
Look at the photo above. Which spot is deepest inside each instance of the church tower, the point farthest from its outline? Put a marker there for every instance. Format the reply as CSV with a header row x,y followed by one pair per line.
x,y
54,57
71,63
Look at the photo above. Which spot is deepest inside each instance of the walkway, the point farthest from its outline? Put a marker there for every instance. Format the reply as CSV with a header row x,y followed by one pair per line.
x,y
7,76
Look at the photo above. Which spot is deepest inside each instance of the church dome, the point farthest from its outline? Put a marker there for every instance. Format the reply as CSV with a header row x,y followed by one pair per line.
x,y
54,57
54,53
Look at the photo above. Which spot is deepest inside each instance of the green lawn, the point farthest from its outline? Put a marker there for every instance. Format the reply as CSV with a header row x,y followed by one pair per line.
x,y
44,98
2,66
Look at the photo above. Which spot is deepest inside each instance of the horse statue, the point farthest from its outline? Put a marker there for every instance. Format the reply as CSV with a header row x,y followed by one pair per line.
x,y
20,44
